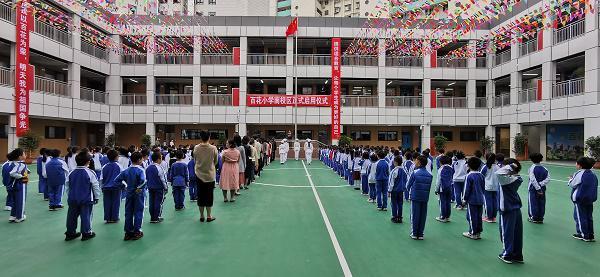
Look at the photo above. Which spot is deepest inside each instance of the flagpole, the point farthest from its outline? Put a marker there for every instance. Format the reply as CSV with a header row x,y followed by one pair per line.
x,y
296,81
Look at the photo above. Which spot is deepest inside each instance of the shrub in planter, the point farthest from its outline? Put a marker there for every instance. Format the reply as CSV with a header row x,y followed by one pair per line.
x,y
110,140
439,142
520,142
592,145
146,140
486,144
29,143
345,141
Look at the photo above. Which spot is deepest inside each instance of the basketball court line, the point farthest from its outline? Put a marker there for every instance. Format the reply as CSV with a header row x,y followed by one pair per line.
x,y
293,186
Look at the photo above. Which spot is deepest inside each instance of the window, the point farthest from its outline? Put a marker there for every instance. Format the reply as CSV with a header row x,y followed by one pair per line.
x,y
200,2
326,12
53,132
304,134
387,136
212,2
277,134
446,134
212,13
469,136
199,13
347,7
217,134
4,131
360,135
195,134
336,10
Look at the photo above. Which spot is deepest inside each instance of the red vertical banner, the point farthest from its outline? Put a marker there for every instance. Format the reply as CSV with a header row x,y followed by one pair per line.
x,y
433,99
539,90
336,82
236,55
23,80
235,97
540,40
433,59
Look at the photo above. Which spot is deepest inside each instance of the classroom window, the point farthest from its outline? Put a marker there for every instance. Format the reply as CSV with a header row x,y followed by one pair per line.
x,y
387,136
54,132
212,2
469,136
304,134
200,2
347,7
277,134
195,134
360,135
446,134
216,134
212,13
4,131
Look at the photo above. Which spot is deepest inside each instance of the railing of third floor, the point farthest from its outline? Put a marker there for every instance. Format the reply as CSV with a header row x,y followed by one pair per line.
x,y
481,102
452,102
360,101
52,32
481,62
568,88
404,101
7,76
92,95
569,31
451,62
94,50
132,99
528,47
528,95
139,58
206,58
174,99
502,57
174,58
51,86
360,60
502,100
314,59
404,61
7,13
266,58
215,99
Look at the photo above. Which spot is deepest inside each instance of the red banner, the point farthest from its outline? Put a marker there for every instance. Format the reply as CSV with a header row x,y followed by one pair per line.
x,y
23,80
433,59
236,97
236,55
538,94
336,82
433,99
282,100
540,40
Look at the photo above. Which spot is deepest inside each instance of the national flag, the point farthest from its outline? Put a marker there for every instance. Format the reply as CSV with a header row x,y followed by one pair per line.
x,y
292,28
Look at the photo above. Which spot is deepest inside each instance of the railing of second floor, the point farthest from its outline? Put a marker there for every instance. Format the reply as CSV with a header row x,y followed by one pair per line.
x,y
7,13
452,102
481,102
314,59
528,47
174,58
502,57
568,88
139,58
94,50
51,86
7,76
481,62
528,95
451,62
52,32
502,100
404,61
174,99
359,101
131,99
404,101
571,30
360,60
266,58
92,95
206,58
215,99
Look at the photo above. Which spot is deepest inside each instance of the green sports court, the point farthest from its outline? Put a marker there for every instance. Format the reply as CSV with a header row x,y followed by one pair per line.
x,y
277,228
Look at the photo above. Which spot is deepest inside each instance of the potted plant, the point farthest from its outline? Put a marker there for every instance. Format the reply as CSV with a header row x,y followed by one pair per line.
x,y
520,142
146,140
345,141
592,145
439,142
110,140
222,140
486,144
29,143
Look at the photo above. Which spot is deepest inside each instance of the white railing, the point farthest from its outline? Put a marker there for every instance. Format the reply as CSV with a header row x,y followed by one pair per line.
x,y
452,102
568,88
502,57
404,101
481,62
502,100
215,99
528,95
133,99
481,102
7,77
140,58
359,101
174,99
528,47
266,58
7,13
451,62
92,95
314,59
174,58
94,50
360,60
216,58
571,30
404,61
52,32
51,86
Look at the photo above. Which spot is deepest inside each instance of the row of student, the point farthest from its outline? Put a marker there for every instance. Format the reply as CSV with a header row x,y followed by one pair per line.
x,y
491,186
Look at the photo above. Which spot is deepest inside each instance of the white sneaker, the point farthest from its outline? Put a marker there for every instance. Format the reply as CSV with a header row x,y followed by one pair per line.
x,y
7,208
12,219
21,219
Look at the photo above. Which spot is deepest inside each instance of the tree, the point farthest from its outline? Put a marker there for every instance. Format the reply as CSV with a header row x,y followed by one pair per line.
x,y
110,140
440,142
592,145
486,144
29,143
520,142
345,141
146,140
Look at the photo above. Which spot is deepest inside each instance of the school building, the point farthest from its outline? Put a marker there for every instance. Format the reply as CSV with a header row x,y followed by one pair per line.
x,y
545,87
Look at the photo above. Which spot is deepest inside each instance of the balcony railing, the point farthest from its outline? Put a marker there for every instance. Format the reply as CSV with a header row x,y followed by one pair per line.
x,y
481,62
174,99
314,59
92,95
481,102
451,62
502,57
528,47
94,50
7,76
215,99
52,32
7,13
404,61
132,99
571,30
359,60
140,58
51,86
568,88
174,58
528,95
404,101
216,58
266,58
452,102
502,100
359,101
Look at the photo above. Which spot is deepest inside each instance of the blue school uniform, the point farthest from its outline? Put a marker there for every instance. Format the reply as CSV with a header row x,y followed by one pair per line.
x,y
104,160
419,186
382,174
42,181
584,193
157,188
193,190
460,172
511,222
179,178
7,182
491,192
364,175
18,190
83,191
409,167
56,173
473,198
538,179
396,184
112,190
134,178
219,167
444,190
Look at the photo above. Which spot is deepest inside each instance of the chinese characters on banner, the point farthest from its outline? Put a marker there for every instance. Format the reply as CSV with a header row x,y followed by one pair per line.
x,y
336,81
276,100
23,73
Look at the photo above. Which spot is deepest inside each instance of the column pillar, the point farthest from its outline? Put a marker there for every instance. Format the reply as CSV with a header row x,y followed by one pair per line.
x,y
197,81
74,80
241,129
150,89
548,77
74,74
381,72
151,131
515,128
471,61
13,140
426,93
514,49
425,136
109,128
591,18
150,81
543,139
381,85
491,93
515,86
114,86
471,93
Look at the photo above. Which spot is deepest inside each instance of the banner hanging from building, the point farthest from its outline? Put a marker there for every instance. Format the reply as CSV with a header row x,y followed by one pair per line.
x,y
282,100
23,72
336,82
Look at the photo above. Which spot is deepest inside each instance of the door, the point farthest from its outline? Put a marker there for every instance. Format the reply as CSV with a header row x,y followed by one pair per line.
x,y
406,140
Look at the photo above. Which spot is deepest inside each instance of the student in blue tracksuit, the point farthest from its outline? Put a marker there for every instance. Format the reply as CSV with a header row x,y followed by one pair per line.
x,y
371,177
157,187
356,168
491,188
429,166
409,166
6,180
382,174
419,186
56,173
96,157
179,178
103,158
511,221
396,185
584,184
444,188
135,179
473,199
538,180
41,172
365,163
19,177
83,192
460,173
441,153
111,189
193,189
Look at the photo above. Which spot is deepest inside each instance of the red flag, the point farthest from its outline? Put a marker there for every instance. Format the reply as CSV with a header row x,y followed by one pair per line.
x,y
292,28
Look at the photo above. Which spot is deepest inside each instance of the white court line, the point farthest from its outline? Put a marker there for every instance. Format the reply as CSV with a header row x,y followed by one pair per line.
x,y
290,168
334,240
288,186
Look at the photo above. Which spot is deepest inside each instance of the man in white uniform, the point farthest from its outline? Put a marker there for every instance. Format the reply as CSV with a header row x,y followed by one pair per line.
x,y
308,150
296,149
284,148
